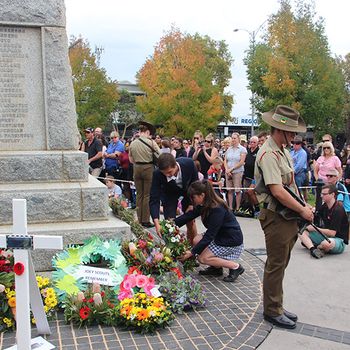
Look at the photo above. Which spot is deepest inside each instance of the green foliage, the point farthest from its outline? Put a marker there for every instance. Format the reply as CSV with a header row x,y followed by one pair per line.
x,y
184,81
293,66
344,64
95,94
182,294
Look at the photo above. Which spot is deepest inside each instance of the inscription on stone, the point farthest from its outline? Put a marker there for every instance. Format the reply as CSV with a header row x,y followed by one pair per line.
x,y
22,118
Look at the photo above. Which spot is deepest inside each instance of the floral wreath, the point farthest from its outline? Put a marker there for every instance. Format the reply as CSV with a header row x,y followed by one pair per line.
x,y
68,262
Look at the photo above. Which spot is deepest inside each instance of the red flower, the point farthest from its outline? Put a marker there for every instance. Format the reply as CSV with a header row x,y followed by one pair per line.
x,y
91,300
110,304
177,271
18,268
133,269
142,244
102,294
150,236
84,312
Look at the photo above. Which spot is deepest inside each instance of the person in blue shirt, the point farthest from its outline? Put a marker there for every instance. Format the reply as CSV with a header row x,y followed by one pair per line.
x,y
299,157
222,242
110,156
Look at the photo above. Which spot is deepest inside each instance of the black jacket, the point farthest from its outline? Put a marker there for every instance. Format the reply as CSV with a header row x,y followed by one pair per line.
x,y
169,191
222,228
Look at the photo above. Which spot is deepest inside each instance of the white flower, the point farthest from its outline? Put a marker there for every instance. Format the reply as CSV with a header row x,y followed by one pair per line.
x,y
173,239
171,229
2,288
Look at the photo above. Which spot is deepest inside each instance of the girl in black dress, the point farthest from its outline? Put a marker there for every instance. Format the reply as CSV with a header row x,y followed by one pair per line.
x,y
222,242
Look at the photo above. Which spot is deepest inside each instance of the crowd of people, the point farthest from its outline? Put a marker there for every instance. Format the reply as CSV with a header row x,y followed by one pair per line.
x,y
227,163
269,177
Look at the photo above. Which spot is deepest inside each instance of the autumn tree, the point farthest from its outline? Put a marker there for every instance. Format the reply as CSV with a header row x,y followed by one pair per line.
x,y
184,82
95,93
293,65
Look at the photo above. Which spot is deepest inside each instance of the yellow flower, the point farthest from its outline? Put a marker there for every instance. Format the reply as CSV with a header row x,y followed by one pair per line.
x,y
167,259
33,320
12,302
8,322
10,294
46,282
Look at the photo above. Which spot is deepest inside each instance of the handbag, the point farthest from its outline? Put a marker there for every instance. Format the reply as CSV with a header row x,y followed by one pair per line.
x,y
155,154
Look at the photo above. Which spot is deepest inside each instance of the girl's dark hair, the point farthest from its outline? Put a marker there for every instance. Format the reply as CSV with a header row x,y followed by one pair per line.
x,y
211,200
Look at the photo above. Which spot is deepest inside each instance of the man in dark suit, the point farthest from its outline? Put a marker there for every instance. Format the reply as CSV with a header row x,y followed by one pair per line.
x,y
170,182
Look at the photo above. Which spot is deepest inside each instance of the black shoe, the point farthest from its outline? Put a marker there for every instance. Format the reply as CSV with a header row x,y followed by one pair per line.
x,y
212,271
232,276
290,315
281,321
317,253
147,224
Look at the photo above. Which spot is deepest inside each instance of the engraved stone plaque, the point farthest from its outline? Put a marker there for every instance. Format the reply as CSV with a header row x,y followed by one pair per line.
x,y
22,112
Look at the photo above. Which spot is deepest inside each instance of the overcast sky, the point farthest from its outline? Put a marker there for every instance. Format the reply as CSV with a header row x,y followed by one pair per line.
x,y
128,30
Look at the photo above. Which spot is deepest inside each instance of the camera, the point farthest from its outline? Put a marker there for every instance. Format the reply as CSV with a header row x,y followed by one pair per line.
x,y
201,144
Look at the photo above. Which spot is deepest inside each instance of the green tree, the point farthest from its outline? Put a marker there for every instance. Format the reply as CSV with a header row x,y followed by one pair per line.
x,y
344,64
95,94
293,65
184,83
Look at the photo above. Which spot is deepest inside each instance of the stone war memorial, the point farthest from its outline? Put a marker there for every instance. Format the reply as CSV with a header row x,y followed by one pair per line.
x,y
39,160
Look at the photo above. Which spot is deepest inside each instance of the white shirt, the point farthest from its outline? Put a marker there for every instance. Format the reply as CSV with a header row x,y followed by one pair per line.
x,y
177,178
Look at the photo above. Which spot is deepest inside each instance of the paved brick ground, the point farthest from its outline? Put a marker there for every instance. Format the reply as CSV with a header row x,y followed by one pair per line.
x,y
231,320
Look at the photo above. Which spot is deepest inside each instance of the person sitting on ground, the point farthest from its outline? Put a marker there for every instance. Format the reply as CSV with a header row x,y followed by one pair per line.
x,y
215,175
222,242
336,227
114,191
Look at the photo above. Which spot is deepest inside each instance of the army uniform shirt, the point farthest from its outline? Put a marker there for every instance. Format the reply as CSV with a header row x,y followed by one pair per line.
x,y
273,166
140,152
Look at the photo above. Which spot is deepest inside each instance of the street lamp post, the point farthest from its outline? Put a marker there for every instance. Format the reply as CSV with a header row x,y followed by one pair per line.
x,y
252,36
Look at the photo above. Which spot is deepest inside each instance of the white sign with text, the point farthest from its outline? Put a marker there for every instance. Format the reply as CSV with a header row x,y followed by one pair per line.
x,y
95,274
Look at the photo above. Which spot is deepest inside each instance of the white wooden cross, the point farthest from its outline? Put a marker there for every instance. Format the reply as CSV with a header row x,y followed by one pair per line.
x,y
27,290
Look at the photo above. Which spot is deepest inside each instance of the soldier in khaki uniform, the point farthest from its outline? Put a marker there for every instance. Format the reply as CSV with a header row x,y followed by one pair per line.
x,y
273,169
141,153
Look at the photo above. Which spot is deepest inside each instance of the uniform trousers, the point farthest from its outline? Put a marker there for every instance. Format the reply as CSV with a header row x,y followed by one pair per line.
x,y
143,174
280,237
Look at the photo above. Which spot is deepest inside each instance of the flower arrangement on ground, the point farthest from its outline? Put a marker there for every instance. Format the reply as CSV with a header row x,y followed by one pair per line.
x,y
94,305
177,242
8,299
149,257
182,294
141,306
93,251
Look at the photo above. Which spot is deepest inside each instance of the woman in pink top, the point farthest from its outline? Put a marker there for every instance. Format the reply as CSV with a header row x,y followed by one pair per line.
x,y
328,160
